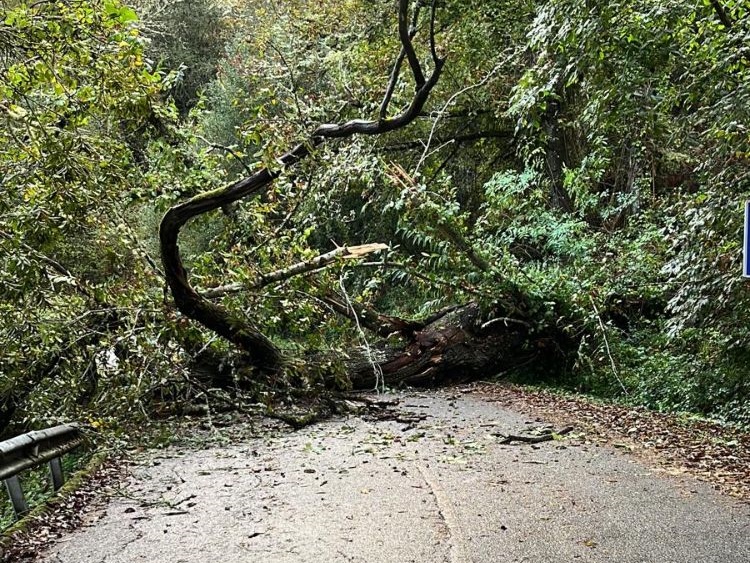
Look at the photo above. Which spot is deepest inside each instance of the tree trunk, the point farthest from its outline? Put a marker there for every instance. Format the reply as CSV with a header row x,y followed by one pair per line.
x,y
556,157
458,346
458,343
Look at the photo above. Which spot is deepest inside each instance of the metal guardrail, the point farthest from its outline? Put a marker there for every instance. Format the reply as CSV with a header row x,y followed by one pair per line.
x,y
32,449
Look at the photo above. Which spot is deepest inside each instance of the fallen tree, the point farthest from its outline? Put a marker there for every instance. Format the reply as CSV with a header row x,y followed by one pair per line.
x,y
457,343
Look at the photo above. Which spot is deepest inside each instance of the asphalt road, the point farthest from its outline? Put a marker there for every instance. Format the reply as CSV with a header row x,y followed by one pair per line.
x,y
442,489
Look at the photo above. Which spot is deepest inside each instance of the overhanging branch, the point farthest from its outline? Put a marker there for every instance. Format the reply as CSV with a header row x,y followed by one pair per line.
x,y
262,352
393,80
408,47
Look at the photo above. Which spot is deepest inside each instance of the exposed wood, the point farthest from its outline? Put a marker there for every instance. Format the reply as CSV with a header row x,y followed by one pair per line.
x,y
453,347
321,261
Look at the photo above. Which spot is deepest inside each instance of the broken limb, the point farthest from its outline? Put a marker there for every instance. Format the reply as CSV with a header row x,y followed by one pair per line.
x,y
317,263
546,437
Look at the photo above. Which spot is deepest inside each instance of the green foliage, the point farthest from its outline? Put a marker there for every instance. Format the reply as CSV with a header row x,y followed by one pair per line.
x,y
185,36
580,167
37,486
629,98
77,290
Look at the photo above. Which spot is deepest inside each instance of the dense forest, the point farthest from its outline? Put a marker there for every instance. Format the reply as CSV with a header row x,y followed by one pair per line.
x,y
229,203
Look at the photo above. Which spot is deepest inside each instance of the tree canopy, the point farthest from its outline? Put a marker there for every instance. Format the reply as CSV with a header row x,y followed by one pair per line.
x,y
359,193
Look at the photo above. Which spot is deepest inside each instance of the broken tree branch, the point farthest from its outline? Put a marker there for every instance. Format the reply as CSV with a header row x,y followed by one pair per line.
x,y
317,263
546,437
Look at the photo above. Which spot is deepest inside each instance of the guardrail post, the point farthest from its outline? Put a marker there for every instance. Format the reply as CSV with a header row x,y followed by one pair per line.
x,y
35,448
56,473
16,496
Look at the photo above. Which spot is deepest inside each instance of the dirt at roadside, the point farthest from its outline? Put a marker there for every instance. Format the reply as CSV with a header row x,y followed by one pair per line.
x,y
678,444
68,513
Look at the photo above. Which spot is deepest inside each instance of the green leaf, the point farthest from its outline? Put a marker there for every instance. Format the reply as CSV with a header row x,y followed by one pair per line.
x,y
117,11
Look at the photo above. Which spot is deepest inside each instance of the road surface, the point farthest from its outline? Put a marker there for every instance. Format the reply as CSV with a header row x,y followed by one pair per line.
x,y
438,485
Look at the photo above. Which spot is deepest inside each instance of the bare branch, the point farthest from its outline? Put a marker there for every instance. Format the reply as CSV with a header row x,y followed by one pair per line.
x,y
722,14
317,263
450,101
292,80
433,48
380,324
411,55
393,80
391,84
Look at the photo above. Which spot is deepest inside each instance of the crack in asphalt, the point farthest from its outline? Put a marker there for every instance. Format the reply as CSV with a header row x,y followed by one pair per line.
x,y
457,552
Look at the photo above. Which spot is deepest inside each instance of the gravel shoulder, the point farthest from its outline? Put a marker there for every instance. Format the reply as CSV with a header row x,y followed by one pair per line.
x,y
432,483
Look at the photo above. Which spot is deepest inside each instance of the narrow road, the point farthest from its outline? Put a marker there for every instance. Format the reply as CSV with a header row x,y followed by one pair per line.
x,y
434,485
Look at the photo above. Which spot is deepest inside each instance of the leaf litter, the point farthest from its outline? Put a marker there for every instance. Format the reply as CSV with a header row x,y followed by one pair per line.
x,y
715,453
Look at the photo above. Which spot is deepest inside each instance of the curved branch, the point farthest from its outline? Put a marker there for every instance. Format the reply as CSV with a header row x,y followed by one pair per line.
x,y
263,354
393,80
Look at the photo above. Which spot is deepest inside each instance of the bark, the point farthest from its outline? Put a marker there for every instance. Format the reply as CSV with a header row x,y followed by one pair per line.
x,y
459,346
